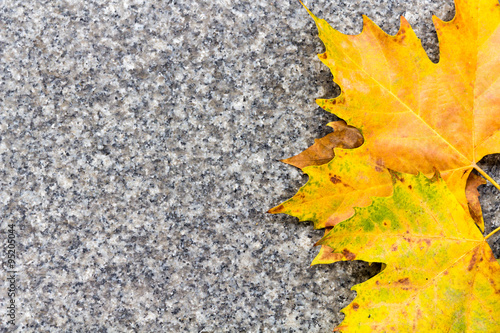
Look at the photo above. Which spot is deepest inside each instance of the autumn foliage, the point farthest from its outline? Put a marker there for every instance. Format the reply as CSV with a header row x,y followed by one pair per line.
x,y
394,183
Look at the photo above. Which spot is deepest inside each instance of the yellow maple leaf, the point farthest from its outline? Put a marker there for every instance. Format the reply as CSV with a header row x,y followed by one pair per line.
x,y
416,115
440,274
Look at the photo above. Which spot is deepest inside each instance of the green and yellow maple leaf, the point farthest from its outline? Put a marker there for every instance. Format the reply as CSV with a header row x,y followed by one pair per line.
x,y
440,274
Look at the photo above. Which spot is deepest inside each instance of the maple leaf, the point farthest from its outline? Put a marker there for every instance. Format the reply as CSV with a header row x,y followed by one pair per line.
x,y
414,115
440,274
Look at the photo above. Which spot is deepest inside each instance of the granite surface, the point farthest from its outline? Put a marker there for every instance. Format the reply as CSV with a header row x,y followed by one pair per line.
x,y
139,148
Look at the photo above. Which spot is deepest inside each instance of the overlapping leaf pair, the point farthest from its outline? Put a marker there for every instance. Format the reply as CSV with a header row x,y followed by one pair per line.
x,y
400,191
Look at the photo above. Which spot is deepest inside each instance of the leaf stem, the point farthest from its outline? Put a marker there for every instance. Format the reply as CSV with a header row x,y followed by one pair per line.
x,y
485,175
492,233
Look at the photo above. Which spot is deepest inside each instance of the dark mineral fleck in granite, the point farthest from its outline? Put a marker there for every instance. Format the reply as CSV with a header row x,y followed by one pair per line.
x,y
139,148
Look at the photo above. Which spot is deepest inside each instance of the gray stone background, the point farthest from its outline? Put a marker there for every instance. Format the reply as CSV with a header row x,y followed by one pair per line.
x,y
139,148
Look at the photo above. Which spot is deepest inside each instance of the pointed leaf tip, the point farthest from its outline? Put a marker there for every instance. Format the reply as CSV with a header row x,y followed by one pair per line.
x,y
310,13
276,210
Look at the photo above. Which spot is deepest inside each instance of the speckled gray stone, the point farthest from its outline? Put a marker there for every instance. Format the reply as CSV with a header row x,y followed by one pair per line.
x,y
139,152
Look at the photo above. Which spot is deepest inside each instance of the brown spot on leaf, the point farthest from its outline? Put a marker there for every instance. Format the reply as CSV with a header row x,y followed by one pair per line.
x,y
348,254
355,306
410,187
445,273
472,261
323,56
335,179
427,241
405,281
347,185
397,176
394,248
